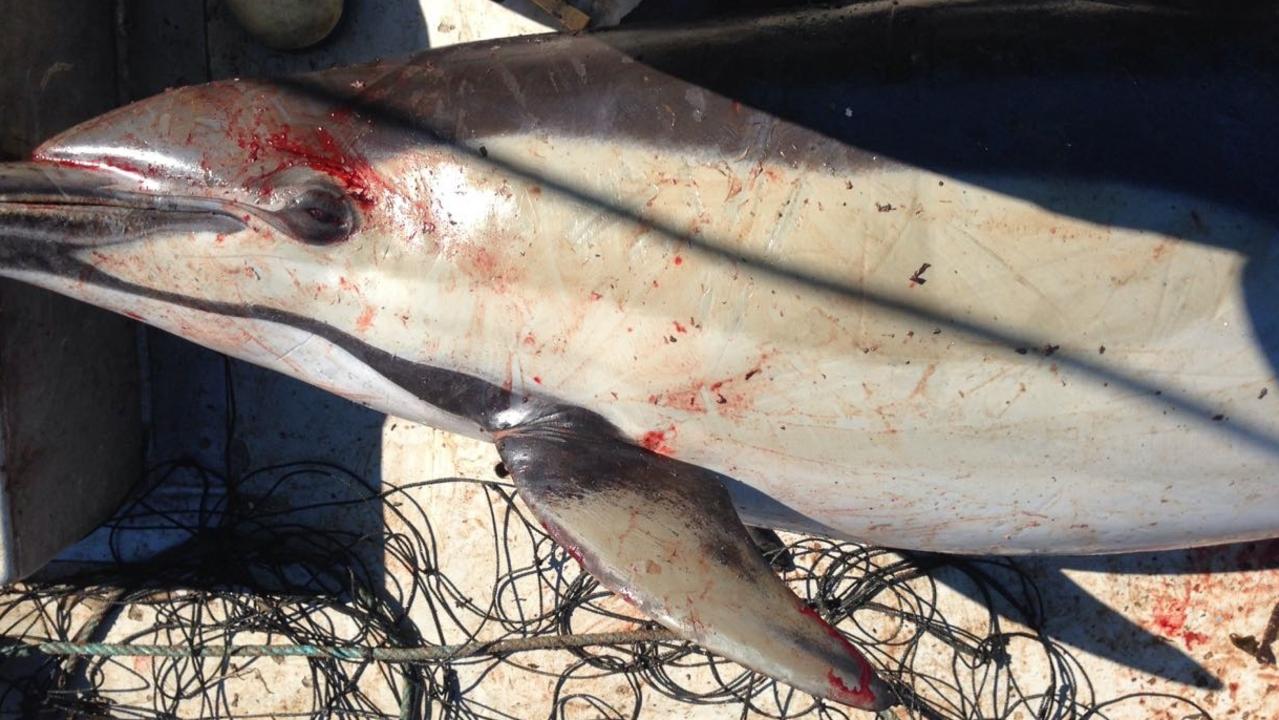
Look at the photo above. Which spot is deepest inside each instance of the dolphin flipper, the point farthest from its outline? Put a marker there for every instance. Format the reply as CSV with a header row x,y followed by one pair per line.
x,y
664,535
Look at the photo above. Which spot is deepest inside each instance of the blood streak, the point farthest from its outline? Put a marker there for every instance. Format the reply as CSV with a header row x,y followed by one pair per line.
x,y
838,688
321,152
1171,614
365,321
1192,639
658,441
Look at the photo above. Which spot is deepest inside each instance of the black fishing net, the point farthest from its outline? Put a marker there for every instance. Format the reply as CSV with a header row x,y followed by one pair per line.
x,y
248,563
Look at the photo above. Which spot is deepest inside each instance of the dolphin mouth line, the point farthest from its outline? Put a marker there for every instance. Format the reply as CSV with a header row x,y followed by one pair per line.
x,y
80,206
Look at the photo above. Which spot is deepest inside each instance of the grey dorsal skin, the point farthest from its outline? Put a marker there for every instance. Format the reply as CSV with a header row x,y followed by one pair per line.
x,y
602,252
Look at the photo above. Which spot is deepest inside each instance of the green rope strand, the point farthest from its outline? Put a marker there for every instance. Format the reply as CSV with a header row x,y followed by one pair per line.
x,y
432,653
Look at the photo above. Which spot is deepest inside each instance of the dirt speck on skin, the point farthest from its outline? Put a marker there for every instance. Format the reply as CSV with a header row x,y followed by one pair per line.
x,y
918,277
1264,392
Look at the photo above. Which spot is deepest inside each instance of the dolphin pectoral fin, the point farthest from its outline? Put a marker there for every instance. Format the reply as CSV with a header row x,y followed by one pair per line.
x,y
665,535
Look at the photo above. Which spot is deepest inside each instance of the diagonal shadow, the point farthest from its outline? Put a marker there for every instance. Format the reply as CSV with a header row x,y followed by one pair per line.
x,y
1078,618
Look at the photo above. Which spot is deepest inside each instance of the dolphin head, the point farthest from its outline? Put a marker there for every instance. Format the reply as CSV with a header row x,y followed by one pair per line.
x,y
255,218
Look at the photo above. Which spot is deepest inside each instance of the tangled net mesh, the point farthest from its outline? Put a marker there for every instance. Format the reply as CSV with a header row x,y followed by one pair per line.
x,y
251,564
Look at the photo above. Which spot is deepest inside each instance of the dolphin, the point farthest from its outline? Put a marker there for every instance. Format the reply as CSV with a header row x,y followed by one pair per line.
x,y
951,276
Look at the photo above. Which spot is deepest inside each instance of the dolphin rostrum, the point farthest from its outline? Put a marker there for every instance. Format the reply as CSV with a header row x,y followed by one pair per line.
x,y
968,276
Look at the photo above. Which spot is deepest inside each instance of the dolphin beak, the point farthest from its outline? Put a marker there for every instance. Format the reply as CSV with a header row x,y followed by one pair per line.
x,y
49,211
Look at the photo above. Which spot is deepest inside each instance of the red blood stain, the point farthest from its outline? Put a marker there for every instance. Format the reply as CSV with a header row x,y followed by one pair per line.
x,y
680,328
731,396
862,696
365,321
686,398
656,440
1193,638
595,296
320,151
1170,614
484,261
679,260
1170,622
484,266
839,690
537,379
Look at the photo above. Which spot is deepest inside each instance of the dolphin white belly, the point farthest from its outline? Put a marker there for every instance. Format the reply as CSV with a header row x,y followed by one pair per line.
x,y
1052,384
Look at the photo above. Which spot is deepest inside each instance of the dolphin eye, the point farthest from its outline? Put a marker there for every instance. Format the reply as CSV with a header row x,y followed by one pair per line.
x,y
319,216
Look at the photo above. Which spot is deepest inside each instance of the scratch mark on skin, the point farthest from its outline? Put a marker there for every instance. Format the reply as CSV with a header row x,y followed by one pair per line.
x,y
1016,274
1021,391
987,381
296,346
785,221
513,84
922,385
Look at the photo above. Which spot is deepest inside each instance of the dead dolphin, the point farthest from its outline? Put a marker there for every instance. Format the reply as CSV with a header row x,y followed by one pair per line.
x,y
969,276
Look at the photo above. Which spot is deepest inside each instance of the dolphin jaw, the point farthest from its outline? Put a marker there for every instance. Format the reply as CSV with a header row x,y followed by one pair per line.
x,y
60,205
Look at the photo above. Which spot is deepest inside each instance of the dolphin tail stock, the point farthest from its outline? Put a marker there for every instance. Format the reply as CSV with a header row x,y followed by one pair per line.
x,y
664,535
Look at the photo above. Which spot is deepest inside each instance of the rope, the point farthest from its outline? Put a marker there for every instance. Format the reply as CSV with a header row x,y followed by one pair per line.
x,y
431,653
